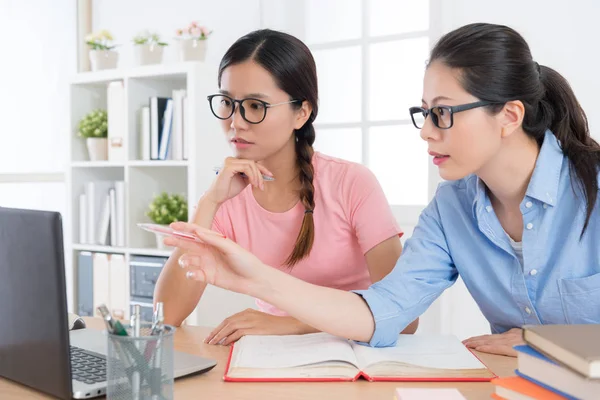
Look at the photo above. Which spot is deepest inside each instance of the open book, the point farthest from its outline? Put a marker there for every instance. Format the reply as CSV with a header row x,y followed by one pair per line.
x,y
323,357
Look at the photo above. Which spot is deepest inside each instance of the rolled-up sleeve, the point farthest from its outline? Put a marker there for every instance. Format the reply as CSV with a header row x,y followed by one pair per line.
x,y
423,271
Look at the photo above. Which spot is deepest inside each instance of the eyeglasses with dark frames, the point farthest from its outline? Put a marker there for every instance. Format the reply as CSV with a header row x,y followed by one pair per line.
x,y
442,116
253,111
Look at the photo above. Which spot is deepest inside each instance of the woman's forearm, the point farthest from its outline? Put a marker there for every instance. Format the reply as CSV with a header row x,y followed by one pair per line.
x,y
178,294
314,305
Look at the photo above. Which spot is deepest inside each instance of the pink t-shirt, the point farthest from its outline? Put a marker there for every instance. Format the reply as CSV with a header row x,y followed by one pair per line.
x,y
351,217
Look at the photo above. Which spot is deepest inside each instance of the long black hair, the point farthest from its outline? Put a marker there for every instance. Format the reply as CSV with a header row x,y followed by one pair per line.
x,y
293,67
496,65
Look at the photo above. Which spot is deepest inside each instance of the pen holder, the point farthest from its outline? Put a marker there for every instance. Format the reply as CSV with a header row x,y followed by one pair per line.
x,y
140,367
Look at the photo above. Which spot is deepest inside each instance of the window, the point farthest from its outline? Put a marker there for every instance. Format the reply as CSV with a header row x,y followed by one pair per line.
x,y
371,65
40,49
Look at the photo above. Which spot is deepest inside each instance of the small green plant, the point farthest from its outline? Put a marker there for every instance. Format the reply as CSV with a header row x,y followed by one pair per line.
x,y
167,208
146,37
94,125
100,40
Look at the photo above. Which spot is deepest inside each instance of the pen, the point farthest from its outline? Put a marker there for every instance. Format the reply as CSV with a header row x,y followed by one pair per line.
x,y
112,325
265,177
157,329
135,326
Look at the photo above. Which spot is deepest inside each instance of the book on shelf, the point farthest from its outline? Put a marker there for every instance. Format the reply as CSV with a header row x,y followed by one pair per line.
x,y
165,132
176,150
102,213
117,125
157,112
162,128
144,133
323,357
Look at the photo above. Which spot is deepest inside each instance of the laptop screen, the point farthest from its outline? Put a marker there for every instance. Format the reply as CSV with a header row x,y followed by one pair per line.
x,y
34,337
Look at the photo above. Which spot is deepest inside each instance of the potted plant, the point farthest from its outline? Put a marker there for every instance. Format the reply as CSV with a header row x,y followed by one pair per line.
x,y
165,209
148,48
94,128
192,42
102,55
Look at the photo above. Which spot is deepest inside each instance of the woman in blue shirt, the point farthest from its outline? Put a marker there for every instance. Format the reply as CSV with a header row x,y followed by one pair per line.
x,y
517,218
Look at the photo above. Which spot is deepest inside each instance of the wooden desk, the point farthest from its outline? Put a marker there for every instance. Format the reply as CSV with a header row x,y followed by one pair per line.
x,y
211,386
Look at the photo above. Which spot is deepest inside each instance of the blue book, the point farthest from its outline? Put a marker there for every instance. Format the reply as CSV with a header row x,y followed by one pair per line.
x,y
556,373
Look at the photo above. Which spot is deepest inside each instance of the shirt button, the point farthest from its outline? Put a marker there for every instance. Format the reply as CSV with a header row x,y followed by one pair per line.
x,y
528,204
528,310
529,226
533,272
545,206
488,209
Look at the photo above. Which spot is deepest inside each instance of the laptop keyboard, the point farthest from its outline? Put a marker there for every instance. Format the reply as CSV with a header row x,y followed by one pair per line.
x,y
86,367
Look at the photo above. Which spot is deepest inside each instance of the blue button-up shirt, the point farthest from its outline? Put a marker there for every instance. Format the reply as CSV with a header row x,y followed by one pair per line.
x,y
459,234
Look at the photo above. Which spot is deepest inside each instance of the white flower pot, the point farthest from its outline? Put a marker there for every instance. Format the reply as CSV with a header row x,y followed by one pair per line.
x,y
97,148
147,54
159,241
103,59
192,50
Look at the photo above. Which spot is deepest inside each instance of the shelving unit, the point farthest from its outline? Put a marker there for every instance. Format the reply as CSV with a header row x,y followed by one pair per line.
x,y
143,179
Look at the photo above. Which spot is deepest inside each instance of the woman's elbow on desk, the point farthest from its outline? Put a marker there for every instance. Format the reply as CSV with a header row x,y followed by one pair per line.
x,y
412,327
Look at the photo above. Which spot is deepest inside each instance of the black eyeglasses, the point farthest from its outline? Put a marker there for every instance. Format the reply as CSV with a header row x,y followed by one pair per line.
x,y
253,111
442,116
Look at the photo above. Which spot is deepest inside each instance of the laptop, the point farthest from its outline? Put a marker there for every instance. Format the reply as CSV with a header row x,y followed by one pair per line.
x,y
36,347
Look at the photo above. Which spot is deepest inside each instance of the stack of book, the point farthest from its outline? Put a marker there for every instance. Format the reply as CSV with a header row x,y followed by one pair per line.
x,y
163,128
557,362
102,213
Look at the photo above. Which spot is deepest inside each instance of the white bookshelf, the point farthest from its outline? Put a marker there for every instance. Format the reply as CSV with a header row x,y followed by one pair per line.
x,y
143,179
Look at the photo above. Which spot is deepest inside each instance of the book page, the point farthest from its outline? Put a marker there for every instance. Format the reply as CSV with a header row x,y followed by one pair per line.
x,y
270,352
427,351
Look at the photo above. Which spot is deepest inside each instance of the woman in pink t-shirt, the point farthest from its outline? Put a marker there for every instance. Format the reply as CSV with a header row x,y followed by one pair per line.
x,y
320,219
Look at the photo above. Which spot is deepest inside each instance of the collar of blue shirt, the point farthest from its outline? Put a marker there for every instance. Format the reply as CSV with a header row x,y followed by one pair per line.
x,y
544,183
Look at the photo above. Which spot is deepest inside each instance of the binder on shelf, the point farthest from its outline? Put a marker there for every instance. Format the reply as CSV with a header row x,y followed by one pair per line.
x,y
177,129
117,125
119,287
83,212
85,284
120,204
144,133
101,288
113,217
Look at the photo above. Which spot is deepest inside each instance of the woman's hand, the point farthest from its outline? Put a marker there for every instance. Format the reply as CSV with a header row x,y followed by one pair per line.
x,y
253,322
218,261
501,343
230,181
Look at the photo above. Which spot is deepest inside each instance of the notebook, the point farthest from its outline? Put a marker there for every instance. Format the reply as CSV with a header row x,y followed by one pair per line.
x,y
575,346
542,371
516,388
323,357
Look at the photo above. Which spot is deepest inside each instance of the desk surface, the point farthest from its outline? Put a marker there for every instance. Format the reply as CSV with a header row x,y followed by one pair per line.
x,y
211,386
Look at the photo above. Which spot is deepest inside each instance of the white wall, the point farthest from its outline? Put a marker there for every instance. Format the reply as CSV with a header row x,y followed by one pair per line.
x,y
124,19
561,34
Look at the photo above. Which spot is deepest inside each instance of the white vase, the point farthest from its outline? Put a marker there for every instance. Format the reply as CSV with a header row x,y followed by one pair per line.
x,y
159,241
103,59
147,54
97,149
191,49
